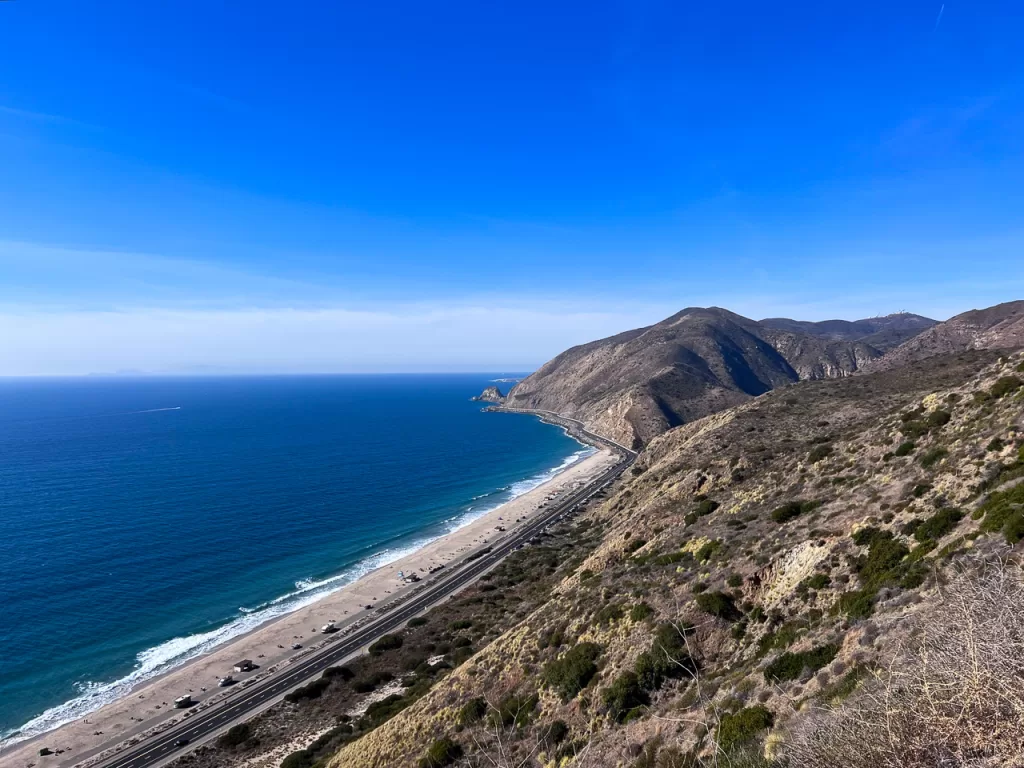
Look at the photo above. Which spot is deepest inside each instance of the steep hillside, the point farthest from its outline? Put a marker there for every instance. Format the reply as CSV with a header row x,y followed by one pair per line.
x,y
634,386
882,333
998,327
759,566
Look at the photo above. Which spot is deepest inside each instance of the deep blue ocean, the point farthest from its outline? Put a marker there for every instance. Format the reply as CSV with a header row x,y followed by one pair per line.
x,y
144,520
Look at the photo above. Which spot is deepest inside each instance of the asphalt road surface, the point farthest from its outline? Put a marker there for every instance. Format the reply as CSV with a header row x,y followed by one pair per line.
x,y
199,727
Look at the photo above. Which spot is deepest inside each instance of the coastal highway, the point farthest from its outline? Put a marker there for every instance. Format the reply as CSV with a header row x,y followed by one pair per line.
x,y
203,725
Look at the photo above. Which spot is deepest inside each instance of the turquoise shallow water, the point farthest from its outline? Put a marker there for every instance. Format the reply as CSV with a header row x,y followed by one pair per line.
x,y
142,521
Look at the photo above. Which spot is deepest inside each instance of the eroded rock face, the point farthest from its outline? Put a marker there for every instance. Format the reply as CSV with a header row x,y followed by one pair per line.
x,y
641,383
490,395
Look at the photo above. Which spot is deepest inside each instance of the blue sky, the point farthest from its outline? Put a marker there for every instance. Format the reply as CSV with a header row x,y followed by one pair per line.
x,y
196,186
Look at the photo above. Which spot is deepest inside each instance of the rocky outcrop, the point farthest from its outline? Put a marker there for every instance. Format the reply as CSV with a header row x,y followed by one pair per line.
x,y
998,327
636,385
490,394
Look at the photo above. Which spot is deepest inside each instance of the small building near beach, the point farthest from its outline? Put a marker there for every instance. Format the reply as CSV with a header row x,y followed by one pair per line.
x,y
244,666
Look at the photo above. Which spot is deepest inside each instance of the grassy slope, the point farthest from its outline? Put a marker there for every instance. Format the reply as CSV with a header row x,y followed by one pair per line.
x,y
785,635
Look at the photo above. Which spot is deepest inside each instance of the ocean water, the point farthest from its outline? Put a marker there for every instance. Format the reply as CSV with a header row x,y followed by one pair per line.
x,y
143,521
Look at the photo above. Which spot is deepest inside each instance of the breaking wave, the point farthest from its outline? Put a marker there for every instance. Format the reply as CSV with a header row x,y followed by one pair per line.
x,y
173,653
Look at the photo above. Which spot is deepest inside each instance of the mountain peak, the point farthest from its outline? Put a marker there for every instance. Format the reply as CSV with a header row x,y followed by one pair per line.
x,y
636,385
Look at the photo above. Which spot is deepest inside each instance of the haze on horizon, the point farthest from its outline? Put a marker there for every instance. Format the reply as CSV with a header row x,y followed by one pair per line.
x,y
326,188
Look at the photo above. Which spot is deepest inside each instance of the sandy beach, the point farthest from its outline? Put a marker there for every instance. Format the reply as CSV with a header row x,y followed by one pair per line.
x,y
149,706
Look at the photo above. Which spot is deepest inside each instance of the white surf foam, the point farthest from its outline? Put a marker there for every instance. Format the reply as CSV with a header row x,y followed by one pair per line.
x,y
514,491
166,656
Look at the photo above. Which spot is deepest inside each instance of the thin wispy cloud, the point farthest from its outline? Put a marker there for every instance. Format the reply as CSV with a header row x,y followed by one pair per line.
x,y
938,19
29,114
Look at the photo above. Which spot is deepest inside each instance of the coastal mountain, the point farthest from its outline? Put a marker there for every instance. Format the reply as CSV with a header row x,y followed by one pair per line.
x,y
816,578
998,327
825,576
882,333
638,384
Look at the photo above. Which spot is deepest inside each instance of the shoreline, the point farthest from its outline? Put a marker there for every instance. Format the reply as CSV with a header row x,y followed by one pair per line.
x,y
147,705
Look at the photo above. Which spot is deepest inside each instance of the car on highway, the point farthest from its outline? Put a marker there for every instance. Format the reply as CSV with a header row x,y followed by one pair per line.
x,y
181,742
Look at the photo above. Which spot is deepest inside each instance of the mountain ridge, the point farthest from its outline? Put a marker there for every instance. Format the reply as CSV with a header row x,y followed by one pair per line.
x,y
997,327
637,384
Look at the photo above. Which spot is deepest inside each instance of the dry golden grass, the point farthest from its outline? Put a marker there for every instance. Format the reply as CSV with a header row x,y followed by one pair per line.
x,y
954,698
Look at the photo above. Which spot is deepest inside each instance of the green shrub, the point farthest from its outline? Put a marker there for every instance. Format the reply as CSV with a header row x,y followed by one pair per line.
x,y
1004,511
455,626
342,673
635,544
300,759
671,558
640,612
786,512
884,556
667,658
781,638
841,689
905,448
608,614
691,518
920,490
472,711
386,643
818,453
417,621
793,509
385,709
706,507
442,753
914,429
938,418
1006,385
311,690
735,580
552,638
817,581
704,554
938,525
742,727
718,604
885,563
623,696
864,536
515,710
556,733
570,674
995,445
933,457
912,415
235,735
790,666
1014,529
